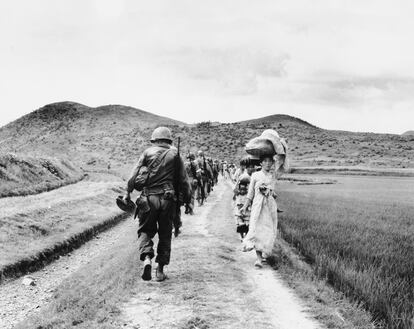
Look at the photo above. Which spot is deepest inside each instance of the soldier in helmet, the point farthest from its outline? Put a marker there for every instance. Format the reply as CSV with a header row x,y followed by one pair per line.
x,y
216,170
202,188
164,166
194,175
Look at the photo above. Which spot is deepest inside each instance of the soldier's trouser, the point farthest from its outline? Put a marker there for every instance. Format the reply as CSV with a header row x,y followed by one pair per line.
x,y
193,194
201,194
158,219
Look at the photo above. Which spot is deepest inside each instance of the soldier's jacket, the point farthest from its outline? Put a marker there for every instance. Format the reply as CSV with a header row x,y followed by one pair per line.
x,y
161,176
193,170
206,172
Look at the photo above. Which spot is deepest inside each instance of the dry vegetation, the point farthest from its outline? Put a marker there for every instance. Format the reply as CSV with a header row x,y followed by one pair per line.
x,y
26,175
113,136
359,234
33,228
309,145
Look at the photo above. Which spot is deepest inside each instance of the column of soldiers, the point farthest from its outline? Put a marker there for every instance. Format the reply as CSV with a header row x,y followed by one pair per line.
x,y
203,173
165,183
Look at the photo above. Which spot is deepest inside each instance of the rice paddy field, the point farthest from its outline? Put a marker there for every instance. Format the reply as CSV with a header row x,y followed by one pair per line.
x,y
359,235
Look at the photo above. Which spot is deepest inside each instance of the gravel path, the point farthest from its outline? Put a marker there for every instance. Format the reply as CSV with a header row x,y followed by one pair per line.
x,y
214,284
18,301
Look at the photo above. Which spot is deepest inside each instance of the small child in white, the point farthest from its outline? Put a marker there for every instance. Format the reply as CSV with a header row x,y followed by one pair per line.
x,y
240,197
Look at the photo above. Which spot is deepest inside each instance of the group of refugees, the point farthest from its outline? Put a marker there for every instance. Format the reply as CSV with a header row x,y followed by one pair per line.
x,y
166,182
255,207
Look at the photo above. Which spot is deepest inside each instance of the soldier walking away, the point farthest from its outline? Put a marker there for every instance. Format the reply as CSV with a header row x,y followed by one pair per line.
x,y
216,170
210,174
201,189
194,175
161,161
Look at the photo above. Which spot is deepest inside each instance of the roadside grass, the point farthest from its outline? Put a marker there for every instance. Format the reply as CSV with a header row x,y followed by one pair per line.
x,y
32,227
91,298
329,306
22,175
359,236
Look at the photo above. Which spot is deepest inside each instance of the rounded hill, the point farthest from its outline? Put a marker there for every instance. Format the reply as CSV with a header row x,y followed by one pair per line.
x,y
87,136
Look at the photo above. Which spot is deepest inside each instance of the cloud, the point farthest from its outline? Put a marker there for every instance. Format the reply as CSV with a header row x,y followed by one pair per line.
x,y
221,57
236,70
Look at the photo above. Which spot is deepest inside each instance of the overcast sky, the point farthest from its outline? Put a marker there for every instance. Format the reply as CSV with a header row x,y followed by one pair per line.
x,y
345,65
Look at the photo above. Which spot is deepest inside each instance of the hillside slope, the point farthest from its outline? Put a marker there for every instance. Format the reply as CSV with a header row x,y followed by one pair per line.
x,y
90,137
308,145
113,136
27,175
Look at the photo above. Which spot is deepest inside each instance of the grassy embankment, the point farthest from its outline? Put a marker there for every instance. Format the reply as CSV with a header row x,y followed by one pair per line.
x,y
20,175
34,229
359,234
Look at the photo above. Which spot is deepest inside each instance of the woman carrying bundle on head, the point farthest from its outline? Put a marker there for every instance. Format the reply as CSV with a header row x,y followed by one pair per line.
x,y
261,196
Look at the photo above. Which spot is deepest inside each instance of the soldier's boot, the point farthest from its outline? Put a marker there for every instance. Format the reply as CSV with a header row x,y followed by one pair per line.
x,y
146,273
159,273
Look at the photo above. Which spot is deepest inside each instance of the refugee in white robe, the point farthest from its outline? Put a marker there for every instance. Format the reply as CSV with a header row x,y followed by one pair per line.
x,y
263,214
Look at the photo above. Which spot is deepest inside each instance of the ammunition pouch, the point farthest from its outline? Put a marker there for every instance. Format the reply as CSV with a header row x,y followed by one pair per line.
x,y
169,195
143,206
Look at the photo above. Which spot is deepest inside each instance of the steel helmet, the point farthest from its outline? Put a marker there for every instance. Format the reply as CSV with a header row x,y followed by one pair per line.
x,y
125,205
161,133
200,153
191,156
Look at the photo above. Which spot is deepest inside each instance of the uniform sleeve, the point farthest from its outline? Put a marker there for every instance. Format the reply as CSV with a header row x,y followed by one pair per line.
x,y
250,193
131,181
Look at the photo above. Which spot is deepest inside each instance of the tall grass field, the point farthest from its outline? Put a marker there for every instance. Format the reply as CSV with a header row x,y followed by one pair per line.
x,y
359,234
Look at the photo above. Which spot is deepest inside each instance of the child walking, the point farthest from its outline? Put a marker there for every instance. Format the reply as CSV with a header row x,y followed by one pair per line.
x,y
240,198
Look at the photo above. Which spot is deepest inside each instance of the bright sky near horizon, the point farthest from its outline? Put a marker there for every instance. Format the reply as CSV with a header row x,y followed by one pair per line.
x,y
337,64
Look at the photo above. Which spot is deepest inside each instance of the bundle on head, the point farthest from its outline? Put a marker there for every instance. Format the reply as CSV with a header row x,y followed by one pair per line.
x,y
269,143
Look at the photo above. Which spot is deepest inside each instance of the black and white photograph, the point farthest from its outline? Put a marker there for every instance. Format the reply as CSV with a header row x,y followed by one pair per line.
x,y
219,164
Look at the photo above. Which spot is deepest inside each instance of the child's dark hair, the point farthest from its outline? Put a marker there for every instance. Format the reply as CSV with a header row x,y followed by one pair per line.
x,y
266,156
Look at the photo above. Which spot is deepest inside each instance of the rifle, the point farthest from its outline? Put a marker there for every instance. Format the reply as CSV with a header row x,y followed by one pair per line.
x,y
177,215
177,166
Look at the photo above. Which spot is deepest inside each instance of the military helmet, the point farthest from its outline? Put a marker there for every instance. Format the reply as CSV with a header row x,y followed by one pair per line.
x,y
161,133
200,153
191,156
125,205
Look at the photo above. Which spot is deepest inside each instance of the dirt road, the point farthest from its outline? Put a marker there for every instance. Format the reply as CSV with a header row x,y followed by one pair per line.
x,y
211,284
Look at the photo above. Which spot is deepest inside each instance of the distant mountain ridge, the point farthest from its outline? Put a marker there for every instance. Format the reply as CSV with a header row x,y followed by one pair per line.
x,y
408,133
113,137
280,118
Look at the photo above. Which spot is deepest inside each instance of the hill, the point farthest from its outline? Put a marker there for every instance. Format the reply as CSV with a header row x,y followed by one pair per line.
x,y
27,175
89,137
408,133
308,144
113,136
280,119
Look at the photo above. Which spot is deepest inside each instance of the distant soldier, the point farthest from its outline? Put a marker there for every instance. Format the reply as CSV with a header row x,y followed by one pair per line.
x,y
194,175
164,167
202,190
225,169
210,181
216,170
